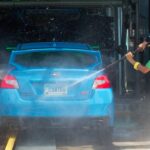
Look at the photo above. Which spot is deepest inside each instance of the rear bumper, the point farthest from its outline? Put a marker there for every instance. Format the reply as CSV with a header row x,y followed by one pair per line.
x,y
100,105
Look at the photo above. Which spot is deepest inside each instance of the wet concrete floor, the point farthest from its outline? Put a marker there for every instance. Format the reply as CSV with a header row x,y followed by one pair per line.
x,y
125,137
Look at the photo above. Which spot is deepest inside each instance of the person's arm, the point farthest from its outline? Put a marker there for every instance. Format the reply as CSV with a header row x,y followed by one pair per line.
x,y
136,64
143,69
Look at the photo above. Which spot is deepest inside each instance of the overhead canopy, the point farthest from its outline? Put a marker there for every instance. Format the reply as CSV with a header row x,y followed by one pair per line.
x,y
4,3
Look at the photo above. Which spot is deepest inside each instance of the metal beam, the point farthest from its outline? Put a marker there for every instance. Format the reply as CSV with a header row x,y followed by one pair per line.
x,y
61,3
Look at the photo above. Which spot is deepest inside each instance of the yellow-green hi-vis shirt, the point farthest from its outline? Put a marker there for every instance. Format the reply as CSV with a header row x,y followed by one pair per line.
x,y
148,64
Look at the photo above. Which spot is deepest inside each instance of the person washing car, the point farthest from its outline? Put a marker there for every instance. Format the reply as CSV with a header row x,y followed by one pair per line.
x,y
144,111
137,65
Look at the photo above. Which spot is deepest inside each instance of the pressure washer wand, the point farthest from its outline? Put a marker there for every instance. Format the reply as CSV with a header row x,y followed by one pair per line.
x,y
112,64
139,49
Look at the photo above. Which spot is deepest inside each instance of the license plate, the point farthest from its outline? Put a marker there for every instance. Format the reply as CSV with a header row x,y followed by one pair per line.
x,y
54,90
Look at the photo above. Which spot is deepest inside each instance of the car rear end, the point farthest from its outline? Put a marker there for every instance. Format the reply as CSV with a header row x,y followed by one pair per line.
x,y
57,84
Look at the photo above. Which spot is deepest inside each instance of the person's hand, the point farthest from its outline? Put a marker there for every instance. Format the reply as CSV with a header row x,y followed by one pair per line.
x,y
130,58
142,46
129,55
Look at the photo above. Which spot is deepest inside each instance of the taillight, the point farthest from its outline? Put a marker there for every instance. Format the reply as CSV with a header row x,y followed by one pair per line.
x,y
101,82
9,82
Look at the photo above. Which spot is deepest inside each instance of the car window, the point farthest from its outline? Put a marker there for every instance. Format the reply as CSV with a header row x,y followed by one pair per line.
x,y
56,59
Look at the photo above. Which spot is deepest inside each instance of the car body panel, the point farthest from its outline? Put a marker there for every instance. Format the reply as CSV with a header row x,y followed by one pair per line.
x,y
97,106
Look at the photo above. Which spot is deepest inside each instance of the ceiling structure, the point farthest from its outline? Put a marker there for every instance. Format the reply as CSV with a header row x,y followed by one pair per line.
x,y
4,3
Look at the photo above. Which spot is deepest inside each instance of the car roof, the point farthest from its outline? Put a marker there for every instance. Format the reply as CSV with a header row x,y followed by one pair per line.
x,y
41,45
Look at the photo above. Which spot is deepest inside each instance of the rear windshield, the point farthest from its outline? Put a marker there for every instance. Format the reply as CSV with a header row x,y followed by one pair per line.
x,y
57,59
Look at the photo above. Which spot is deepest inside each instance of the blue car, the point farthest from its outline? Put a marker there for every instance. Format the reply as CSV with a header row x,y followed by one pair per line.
x,y
59,81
